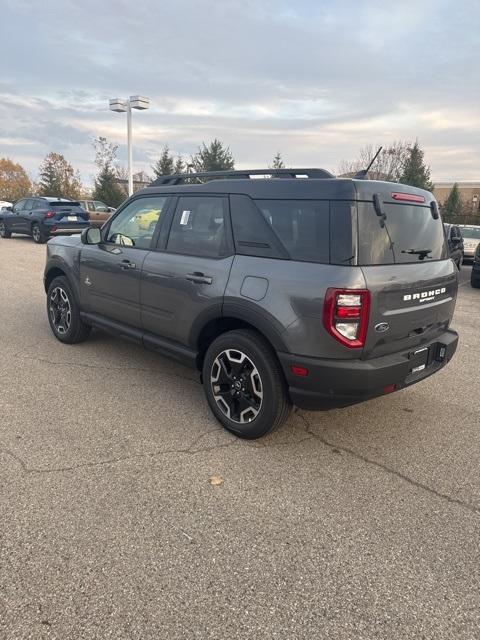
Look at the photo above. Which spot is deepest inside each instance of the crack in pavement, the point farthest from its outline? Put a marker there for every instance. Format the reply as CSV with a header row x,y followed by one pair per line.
x,y
386,468
82,465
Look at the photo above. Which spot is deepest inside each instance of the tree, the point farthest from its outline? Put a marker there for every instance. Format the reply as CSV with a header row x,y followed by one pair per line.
x,y
387,166
415,172
452,207
179,165
278,161
214,157
58,178
107,188
165,164
14,181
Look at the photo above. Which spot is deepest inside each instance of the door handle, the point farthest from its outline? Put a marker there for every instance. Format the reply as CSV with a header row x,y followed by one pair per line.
x,y
199,278
126,264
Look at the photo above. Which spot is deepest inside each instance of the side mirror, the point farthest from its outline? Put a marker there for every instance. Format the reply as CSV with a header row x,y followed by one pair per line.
x,y
91,235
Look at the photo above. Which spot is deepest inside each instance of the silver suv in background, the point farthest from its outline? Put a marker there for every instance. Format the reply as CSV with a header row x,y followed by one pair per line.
x,y
471,240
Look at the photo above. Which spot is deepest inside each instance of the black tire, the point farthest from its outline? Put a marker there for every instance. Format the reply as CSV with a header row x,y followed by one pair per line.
x,y
37,234
68,327
459,264
263,399
475,282
4,232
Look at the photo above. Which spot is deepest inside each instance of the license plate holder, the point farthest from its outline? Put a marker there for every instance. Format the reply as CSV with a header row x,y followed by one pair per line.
x,y
72,218
419,359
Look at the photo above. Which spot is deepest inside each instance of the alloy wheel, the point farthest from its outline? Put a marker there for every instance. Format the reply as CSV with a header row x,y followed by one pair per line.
x,y
60,310
2,229
236,386
36,233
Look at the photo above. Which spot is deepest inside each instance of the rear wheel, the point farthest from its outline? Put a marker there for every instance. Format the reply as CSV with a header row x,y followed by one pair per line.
x,y
38,236
4,232
64,313
244,384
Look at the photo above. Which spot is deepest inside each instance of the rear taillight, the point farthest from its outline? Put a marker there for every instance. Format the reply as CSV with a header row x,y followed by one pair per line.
x,y
49,214
345,315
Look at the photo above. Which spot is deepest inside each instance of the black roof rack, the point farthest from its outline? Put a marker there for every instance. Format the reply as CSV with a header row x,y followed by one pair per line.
x,y
178,178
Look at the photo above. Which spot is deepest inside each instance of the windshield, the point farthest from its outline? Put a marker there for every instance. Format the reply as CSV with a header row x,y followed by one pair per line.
x,y
471,232
409,234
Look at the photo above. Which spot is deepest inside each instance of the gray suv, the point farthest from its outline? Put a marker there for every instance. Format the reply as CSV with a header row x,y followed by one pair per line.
x,y
295,288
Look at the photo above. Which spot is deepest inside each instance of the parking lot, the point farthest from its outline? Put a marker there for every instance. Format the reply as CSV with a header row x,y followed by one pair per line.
x,y
358,523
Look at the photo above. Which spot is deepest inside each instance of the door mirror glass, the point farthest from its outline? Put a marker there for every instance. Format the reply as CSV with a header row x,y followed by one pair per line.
x,y
91,235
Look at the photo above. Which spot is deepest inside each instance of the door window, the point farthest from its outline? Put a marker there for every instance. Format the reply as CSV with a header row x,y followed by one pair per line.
x,y
134,225
100,207
19,206
198,227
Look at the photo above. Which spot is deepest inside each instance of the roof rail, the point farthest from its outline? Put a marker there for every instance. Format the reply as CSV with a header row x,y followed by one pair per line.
x,y
178,178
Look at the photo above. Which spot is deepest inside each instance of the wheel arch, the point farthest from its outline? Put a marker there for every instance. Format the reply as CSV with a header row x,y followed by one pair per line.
x,y
215,327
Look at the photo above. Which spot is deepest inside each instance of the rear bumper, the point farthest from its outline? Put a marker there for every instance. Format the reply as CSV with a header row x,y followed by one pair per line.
x,y
60,230
339,383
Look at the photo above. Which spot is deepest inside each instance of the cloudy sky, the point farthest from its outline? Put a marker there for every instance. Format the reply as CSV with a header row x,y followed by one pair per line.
x,y
314,79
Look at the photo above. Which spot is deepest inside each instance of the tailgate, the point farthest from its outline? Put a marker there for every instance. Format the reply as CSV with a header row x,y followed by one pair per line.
x,y
410,304
65,211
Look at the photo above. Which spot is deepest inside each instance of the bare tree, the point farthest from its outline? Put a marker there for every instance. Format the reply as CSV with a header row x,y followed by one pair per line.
x,y
388,165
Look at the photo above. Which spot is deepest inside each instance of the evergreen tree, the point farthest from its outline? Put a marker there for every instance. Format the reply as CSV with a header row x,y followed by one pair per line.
x,y
452,206
415,172
278,161
107,188
57,178
165,164
214,157
179,165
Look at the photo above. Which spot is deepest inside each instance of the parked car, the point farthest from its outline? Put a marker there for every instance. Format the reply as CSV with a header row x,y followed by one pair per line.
x,y
5,205
475,275
99,211
471,239
308,289
43,217
454,243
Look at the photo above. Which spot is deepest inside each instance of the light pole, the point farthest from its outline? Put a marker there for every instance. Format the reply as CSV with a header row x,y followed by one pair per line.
x,y
120,106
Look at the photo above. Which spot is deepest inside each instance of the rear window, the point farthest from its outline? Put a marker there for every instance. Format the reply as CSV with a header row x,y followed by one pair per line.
x,y
410,234
55,204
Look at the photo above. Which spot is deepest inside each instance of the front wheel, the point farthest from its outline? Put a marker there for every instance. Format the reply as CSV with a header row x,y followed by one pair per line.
x,y
4,232
64,313
244,384
474,281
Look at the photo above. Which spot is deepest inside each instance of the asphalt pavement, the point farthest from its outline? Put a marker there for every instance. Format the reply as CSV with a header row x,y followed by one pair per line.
x,y
126,512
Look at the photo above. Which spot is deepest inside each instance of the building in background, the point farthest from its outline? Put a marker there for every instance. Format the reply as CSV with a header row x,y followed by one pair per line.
x,y
469,193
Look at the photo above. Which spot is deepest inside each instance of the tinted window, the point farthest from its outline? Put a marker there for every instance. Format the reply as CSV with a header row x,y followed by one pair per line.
x,y
471,232
198,227
100,206
252,234
303,227
410,234
134,225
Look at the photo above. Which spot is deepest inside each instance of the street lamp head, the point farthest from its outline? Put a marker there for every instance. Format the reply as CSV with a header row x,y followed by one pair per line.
x,y
118,105
139,102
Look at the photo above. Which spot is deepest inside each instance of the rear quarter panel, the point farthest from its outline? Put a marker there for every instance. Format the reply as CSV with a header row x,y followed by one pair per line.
x,y
292,304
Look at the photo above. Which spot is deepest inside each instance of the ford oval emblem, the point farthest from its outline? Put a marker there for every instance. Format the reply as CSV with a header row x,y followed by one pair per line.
x,y
382,326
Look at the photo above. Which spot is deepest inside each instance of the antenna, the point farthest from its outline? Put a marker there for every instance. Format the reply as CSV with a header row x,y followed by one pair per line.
x,y
361,175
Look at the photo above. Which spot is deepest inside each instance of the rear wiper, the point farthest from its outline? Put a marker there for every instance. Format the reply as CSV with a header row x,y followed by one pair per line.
x,y
421,253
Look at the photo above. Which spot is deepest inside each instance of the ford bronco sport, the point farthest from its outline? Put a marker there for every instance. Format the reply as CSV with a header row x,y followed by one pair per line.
x,y
296,288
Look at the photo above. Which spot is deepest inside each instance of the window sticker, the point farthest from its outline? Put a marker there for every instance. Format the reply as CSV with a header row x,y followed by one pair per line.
x,y
185,217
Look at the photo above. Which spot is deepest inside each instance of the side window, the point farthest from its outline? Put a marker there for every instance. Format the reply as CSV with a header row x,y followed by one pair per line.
x,y
303,227
28,206
134,225
198,227
99,206
18,206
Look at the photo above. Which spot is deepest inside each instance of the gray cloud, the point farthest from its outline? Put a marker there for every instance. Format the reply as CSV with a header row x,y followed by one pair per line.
x,y
314,80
